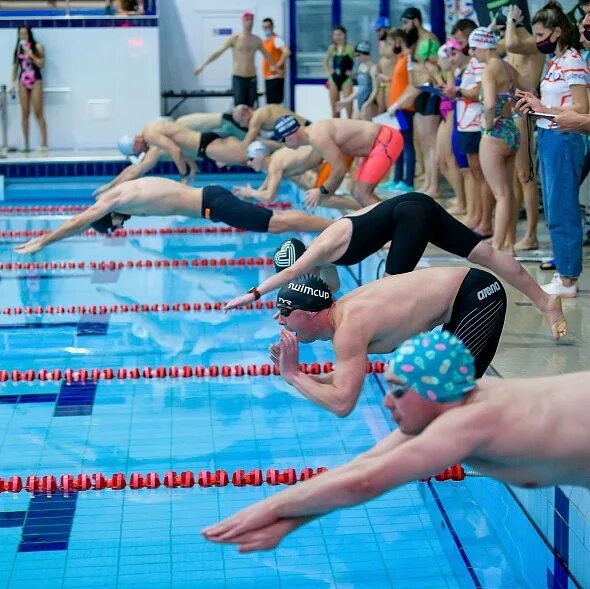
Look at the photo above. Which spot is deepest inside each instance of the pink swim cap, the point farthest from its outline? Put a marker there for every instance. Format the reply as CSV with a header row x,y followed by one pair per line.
x,y
452,43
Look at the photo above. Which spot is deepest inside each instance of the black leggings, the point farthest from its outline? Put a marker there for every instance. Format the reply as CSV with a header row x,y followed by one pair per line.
x,y
220,205
478,316
419,220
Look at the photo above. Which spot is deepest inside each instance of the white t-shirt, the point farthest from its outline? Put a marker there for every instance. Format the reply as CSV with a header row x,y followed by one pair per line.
x,y
562,73
469,111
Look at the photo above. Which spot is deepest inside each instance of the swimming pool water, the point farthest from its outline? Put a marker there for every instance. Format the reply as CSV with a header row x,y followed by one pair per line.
x,y
151,538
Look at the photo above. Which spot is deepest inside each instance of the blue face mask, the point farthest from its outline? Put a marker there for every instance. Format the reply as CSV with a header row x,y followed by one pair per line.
x,y
267,34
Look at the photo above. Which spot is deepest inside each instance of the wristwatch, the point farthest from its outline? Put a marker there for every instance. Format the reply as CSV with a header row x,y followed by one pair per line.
x,y
255,292
324,190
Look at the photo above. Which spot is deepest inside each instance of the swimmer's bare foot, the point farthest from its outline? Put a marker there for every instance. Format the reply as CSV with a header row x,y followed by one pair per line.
x,y
527,243
457,210
471,223
555,318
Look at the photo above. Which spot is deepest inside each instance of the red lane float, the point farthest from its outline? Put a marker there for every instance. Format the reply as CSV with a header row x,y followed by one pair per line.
x,y
111,265
95,374
68,483
73,209
133,308
453,473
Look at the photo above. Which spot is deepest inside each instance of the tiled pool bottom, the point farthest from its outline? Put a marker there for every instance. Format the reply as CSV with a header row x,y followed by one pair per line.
x,y
152,537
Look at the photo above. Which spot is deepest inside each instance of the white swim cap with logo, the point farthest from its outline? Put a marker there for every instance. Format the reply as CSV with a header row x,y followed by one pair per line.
x,y
257,149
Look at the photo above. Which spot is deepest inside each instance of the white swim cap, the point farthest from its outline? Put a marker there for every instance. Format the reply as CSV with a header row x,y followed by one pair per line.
x,y
483,38
257,149
125,145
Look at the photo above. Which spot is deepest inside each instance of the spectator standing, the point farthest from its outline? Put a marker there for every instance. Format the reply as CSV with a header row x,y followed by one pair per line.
x,y
244,46
274,75
338,63
28,61
561,154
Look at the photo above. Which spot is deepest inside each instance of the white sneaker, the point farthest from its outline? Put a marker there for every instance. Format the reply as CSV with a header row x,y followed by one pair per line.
x,y
556,287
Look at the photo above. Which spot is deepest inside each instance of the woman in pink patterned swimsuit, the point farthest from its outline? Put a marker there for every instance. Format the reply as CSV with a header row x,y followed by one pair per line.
x,y
29,57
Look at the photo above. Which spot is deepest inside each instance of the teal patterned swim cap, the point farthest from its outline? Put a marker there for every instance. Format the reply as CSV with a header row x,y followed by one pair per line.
x,y
438,366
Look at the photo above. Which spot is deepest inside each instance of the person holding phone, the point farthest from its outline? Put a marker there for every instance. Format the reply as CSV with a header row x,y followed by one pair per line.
x,y
28,61
563,88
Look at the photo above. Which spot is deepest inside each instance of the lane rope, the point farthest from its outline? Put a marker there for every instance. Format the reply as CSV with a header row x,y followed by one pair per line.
x,y
131,308
70,375
69,483
111,265
74,209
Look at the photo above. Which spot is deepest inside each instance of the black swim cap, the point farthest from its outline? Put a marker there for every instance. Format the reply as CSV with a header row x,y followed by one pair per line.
x,y
307,292
289,252
105,224
411,12
501,16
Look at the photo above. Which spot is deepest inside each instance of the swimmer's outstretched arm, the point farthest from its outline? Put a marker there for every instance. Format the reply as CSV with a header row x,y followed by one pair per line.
x,y
448,440
320,252
134,171
216,54
72,226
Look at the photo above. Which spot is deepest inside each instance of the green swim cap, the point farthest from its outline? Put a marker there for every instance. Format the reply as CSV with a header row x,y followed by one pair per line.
x,y
438,366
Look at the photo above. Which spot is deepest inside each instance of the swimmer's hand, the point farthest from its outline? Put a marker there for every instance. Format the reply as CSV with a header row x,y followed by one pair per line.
x,y
192,171
199,70
289,355
313,197
30,247
515,13
250,539
239,301
275,354
243,191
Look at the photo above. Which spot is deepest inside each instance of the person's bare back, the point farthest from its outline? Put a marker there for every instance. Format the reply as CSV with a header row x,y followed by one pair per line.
x,y
179,134
352,137
535,429
244,48
390,310
154,196
295,161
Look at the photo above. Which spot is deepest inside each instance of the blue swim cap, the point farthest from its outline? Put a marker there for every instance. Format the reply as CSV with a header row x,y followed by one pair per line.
x,y
285,126
381,23
438,366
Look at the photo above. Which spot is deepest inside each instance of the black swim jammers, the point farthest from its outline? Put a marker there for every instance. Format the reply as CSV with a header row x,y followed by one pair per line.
x,y
221,206
478,316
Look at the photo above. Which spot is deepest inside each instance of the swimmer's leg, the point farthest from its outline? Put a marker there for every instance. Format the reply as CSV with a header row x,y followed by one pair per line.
x,y
365,193
340,202
282,221
504,264
410,236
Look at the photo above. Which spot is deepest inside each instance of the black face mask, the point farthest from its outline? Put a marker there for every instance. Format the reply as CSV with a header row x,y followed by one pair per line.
x,y
412,37
397,49
546,46
586,33
465,50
